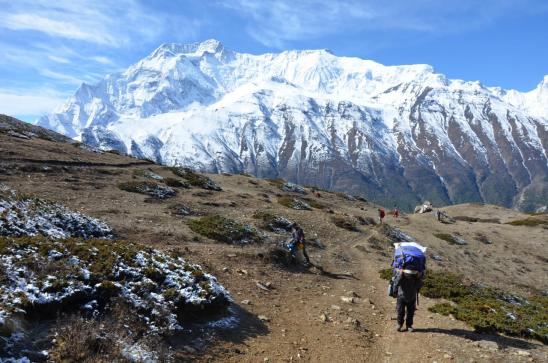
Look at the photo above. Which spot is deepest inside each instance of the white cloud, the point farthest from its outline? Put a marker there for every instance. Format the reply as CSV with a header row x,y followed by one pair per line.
x,y
277,23
65,78
102,59
29,102
58,59
64,29
106,23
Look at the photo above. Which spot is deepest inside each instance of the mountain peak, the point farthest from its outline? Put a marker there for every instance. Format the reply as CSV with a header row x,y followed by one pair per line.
x,y
197,48
544,82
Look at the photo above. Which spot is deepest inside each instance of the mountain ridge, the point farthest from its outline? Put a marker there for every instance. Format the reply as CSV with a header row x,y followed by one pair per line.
x,y
314,118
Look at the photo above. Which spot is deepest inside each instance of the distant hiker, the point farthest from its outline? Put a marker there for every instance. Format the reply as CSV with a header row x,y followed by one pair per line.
x,y
409,266
395,212
381,214
438,215
317,194
298,242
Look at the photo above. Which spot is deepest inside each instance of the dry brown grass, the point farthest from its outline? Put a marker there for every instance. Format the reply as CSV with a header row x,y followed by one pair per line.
x,y
100,341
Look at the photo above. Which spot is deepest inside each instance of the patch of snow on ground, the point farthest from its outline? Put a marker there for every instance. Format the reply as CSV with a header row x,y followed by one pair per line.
x,y
31,217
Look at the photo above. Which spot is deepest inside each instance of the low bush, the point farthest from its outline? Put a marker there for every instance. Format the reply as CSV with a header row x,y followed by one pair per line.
x,y
195,179
145,173
300,203
276,182
345,222
393,234
451,239
176,183
294,203
148,188
486,309
474,219
45,278
225,230
293,188
366,221
273,222
529,222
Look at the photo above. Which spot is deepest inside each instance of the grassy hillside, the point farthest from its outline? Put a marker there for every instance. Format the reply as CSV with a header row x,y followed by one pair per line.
x,y
230,225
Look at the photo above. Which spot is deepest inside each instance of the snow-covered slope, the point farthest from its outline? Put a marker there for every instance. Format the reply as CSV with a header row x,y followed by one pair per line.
x,y
398,134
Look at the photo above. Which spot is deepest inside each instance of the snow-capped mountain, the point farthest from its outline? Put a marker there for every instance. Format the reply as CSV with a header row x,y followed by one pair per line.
x,y
398,134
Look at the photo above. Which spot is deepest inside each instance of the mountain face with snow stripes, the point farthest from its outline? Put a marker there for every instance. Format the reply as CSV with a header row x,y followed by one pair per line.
x,y
396,134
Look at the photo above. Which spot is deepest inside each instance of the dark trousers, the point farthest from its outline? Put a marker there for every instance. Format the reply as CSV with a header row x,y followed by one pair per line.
x,y
401,306
306,255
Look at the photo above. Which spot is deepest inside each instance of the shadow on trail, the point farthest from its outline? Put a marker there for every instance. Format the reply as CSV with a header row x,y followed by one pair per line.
x,y
333,275
502,341
236,326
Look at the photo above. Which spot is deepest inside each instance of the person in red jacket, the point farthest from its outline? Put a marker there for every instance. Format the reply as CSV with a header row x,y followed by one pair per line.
x,y
381,214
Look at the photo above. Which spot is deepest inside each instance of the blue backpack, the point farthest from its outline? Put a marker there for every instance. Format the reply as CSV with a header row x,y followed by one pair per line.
x,y
409,258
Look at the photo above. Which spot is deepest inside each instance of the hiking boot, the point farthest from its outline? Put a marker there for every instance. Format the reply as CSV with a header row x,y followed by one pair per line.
x,y
410,328
400,328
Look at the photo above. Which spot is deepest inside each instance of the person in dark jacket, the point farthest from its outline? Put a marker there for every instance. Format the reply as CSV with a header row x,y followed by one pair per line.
x,y
297,238
408,283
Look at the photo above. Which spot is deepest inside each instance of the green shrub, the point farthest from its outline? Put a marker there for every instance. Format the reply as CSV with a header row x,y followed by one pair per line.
x,y
442,308
345,222
273,222
529,222
488,310
195,179
136,186
485,309
57,286
294,203
300,203
314,203
437,284
489,313
148,188
276,182
154,274
474,219
449,238
466,218
176,183
386,273
224,230
443,284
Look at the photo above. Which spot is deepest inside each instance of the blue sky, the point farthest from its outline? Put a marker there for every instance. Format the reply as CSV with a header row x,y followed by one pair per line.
x,y
50,47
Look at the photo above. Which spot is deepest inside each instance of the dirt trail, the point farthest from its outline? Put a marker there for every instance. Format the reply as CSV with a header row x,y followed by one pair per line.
x,y
47,162
438,338
305,316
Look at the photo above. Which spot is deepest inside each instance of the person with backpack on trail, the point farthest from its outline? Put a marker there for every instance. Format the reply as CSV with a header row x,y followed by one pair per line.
x,y
395,212
381,214
409,268
298,243
409,283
